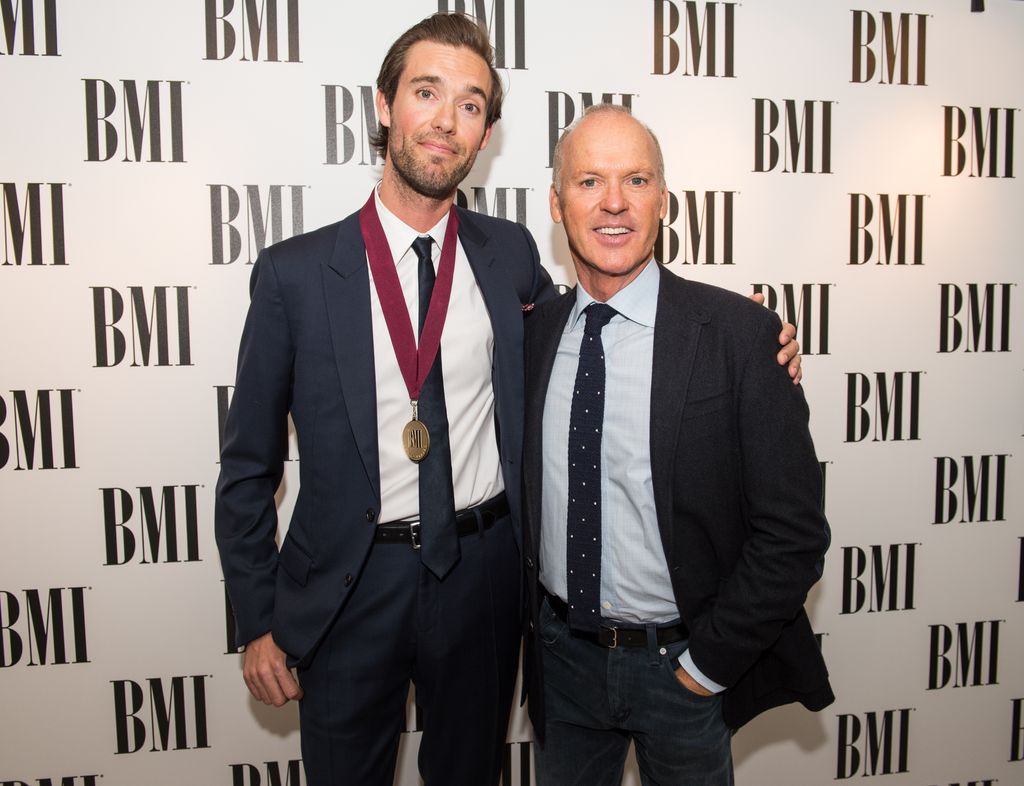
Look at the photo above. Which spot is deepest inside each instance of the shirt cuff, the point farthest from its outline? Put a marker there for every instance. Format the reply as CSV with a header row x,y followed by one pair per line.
x,y
691,668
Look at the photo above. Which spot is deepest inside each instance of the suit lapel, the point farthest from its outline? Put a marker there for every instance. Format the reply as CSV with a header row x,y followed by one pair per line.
x,y
347,292
677,329
506,317
545,333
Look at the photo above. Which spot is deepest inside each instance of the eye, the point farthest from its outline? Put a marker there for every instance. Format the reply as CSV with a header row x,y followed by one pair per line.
x,y
424,92
590,182
638,180
471,108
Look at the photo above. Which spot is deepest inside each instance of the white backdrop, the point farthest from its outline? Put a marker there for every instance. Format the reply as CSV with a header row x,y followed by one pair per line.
x,y
149,149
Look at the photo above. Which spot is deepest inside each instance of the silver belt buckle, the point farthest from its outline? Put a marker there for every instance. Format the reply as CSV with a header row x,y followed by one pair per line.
x,y
615,637
414,534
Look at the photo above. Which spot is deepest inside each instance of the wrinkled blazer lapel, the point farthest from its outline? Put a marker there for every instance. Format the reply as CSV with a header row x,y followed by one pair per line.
x,y
545,333
677,329
347,292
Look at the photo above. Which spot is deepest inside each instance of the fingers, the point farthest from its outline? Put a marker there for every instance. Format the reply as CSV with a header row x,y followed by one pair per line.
x,y
266,673
789,355
690,683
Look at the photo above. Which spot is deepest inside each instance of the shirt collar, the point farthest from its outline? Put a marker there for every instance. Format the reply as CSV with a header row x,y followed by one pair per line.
x,y
637,301
399,234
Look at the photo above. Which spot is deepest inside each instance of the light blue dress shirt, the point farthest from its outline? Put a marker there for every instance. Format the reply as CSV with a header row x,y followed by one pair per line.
x,y
635,585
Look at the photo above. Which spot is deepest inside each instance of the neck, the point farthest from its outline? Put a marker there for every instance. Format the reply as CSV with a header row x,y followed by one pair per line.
x,y
603,287
418,211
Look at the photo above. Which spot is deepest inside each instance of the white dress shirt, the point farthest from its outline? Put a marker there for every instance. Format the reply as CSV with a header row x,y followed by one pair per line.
x,y
467,350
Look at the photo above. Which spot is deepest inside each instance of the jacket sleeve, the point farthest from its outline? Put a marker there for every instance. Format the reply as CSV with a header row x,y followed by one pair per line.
x,y
786,532
255,434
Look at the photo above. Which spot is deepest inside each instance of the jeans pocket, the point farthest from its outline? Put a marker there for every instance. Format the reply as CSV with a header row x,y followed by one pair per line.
x,y
670,663
550,629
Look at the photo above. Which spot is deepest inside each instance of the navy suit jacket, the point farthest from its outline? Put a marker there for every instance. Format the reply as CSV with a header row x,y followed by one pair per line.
x,y
307,350
737,490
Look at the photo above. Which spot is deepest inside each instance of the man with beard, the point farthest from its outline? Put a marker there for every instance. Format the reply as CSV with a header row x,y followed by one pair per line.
x,y
401,560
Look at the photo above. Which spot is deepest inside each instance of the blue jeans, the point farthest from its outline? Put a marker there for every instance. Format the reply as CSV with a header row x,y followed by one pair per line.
x,y
597,700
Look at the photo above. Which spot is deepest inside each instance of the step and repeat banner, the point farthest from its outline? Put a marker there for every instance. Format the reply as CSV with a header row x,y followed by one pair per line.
x,y
853,162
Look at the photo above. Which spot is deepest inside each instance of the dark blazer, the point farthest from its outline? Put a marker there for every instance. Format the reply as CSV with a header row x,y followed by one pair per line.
x,y
307,351
737,489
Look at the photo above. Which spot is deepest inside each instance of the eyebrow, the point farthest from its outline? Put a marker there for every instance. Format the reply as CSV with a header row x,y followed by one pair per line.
x,y
436,80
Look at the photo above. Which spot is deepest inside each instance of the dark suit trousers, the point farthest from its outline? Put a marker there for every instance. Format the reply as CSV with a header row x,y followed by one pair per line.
x,y
456,639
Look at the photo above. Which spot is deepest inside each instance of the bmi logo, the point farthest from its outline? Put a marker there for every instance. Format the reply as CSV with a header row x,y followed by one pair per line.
x,y
563,108
340,101
67,780
170,712
152,324
965,655
889,52
974,318
897,238
37,26
707,227
709,30
255,29
498,204
28,218
1020,573
507,36
888,407
807,307
990,133
806,133
879,578
973,488
1017,731
150,121
42,429
158,524
43,627
875,744
264,219
271,773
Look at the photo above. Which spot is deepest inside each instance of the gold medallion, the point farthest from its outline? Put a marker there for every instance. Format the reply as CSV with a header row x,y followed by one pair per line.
x,y
416,440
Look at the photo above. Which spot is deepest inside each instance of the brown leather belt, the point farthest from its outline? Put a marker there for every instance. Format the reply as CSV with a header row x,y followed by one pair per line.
x,y
471,520
617,636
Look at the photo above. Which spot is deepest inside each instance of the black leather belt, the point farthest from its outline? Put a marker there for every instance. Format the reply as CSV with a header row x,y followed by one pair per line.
x,y
466,523
617,636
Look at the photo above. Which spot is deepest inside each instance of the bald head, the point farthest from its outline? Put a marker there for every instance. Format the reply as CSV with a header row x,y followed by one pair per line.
x,y
597,111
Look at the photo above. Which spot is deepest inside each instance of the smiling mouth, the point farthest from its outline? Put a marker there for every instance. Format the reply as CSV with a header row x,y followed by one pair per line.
x,y
613,230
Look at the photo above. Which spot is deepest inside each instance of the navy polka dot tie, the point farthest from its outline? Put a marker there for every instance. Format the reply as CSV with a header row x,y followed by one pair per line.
x,y
586,421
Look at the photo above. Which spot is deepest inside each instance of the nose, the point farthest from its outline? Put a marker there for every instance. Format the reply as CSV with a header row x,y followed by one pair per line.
x,y
444,118
613,200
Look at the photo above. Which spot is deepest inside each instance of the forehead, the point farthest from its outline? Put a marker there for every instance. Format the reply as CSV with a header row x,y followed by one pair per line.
x,y
461,67
610,142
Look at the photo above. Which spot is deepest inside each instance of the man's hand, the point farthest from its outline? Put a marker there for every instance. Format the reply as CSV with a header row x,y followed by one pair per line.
x,y
789,355
266,674
690,683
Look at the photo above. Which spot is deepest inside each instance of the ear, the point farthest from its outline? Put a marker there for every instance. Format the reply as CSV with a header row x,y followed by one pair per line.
x,y
486,138
556,207
383,110
664,203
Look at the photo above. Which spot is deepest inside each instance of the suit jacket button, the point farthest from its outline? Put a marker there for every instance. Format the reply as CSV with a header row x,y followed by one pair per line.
x,y
371,514
348,579
529,562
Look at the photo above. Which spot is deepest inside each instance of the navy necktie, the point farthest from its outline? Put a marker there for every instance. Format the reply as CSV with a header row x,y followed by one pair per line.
x,y
586,421
440,549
